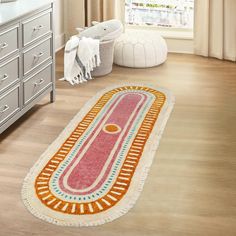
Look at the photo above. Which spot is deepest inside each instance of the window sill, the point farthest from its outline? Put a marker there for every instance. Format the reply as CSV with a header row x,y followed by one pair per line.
x,y
166,33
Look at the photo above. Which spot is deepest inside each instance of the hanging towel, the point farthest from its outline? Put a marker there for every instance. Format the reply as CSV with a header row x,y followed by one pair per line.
x,y
81,57
88,54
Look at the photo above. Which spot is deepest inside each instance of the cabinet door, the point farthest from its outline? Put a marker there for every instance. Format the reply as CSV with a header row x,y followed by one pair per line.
x,y
36,27
9,73
9,104
37,55
37,83
8,41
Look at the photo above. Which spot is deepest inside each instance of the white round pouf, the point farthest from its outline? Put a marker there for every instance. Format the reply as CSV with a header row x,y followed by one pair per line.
x,y
140,49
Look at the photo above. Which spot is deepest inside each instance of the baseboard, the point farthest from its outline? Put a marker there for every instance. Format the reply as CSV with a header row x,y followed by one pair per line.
x,y
59,42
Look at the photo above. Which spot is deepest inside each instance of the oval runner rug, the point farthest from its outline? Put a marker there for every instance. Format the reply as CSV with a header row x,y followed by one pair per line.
x,y
95,170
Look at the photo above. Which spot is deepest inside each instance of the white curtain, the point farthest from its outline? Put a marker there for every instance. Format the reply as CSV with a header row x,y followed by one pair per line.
x,y
74,16
215,28
101,10
78,13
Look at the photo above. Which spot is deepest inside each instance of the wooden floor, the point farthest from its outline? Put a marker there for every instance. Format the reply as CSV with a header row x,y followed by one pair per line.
x,y
191,188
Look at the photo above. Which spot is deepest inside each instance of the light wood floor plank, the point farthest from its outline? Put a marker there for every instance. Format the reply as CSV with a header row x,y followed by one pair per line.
x,y
191,187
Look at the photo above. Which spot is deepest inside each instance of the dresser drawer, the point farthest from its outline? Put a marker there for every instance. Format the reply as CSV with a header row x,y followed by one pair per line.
x,y
37,83
9,73
8,41
9,104
36,27
35,56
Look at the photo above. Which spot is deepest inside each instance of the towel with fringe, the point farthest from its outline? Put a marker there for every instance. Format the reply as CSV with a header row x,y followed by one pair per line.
x,y
81,57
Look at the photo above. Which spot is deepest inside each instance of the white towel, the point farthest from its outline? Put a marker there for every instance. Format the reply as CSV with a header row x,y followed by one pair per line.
x,y
88,53
85,51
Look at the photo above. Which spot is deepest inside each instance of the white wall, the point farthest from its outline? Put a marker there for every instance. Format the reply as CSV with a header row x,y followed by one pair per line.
x,y
59,24
178,45
178,41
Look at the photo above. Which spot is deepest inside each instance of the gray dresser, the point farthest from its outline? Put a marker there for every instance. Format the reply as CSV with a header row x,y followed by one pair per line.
x,y
27,58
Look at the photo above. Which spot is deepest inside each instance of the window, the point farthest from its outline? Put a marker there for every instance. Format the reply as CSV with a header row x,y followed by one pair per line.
x,y
176,14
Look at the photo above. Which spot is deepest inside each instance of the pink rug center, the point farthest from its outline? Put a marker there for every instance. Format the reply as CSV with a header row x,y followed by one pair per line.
x,y
87,169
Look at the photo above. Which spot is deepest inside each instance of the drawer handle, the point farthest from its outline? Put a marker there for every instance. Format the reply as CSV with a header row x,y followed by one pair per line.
x,y
4,109
38,83
39,27
5,76
37,56
4,45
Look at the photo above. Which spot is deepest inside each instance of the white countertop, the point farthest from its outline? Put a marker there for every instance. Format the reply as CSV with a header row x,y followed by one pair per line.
x,y
13,10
